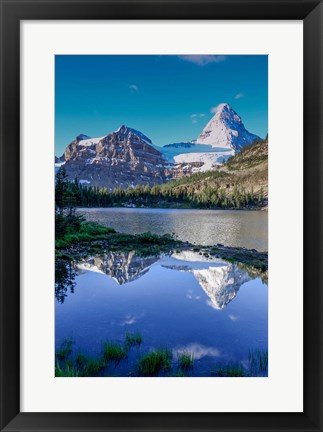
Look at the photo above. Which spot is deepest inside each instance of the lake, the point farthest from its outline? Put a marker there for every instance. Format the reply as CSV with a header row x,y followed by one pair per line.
x,y
188,302
206,227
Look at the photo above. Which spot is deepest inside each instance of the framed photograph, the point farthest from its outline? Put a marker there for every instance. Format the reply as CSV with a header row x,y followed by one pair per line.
x,y
161,187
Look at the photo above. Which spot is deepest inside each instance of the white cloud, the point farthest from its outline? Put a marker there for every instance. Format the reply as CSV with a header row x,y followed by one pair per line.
x,y
233,317
239,96
134,88
131,319
195,116
190,295
199,351
203,60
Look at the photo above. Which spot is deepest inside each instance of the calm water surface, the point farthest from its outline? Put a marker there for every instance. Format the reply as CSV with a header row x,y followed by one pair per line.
x,y
207,227
185,301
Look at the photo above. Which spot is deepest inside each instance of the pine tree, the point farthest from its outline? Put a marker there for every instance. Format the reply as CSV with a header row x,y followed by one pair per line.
x,y
61,189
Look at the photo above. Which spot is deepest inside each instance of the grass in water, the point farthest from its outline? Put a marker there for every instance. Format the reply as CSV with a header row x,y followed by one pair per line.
x,y
114,352
93,367
258,362
89,367
133,340
68,371
185,360
153,363
231,370
65,349
179,374
81,360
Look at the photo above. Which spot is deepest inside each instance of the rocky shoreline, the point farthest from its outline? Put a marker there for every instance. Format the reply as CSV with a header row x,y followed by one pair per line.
x,y
148,244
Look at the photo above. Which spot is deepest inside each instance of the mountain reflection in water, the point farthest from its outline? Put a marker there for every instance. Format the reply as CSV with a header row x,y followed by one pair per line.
x,y
185,301
123,267
220,280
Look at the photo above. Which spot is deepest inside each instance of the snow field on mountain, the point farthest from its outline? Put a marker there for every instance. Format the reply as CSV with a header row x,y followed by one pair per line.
x,y
208,159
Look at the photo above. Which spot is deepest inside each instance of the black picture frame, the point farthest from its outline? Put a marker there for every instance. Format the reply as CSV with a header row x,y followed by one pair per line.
x,y
12,12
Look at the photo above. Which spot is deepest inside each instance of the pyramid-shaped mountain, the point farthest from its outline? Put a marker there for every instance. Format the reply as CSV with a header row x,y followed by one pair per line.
x,y
225,130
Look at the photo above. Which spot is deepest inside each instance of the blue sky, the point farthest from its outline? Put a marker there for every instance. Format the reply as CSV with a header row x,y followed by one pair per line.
x,y
168,98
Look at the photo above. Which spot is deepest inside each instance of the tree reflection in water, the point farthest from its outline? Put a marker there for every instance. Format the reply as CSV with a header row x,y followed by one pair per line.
x,y
64,279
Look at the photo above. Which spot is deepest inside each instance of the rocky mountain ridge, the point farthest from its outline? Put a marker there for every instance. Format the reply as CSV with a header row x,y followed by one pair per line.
x,y
128,157
123,157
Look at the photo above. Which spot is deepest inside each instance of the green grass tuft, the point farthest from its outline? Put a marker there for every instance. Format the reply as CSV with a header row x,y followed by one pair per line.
x,y
93,367
231,370
114,352
94,229
153,363
88,231
185,360
81,360
68,371
258,362
133,339
65,349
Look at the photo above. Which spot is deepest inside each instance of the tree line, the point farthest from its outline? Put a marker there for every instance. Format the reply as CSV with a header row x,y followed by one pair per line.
x,y
72,194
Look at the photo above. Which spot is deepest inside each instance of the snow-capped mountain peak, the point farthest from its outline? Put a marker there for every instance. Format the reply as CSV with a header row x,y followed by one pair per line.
x,y
122,158
226,130
123,133
86,141
126,132
128,157
226,113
